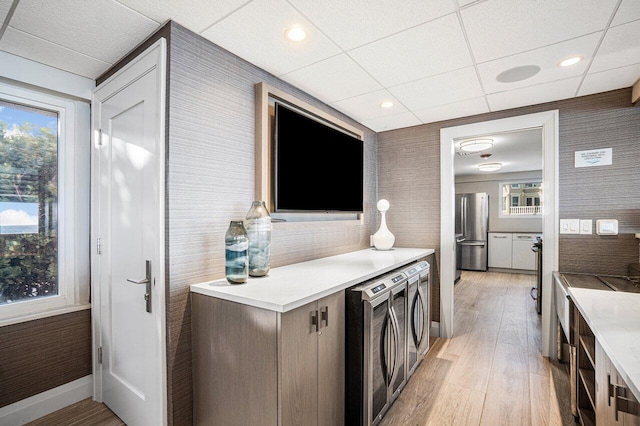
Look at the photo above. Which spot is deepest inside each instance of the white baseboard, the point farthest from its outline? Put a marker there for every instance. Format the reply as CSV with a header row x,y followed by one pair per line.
x,y
47,402
435,329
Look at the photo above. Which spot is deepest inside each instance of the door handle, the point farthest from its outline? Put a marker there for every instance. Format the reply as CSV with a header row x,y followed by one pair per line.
x,y
324,315
384,346
146,280
314,320
396,345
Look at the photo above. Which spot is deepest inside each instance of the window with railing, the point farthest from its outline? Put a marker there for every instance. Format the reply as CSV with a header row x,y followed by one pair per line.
x,y
521,199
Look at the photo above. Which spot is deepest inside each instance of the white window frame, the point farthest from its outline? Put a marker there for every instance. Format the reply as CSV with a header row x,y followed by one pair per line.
x,y
521,183
73,202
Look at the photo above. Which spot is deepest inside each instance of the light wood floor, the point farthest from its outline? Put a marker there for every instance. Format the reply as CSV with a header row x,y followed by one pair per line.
x,y
492,371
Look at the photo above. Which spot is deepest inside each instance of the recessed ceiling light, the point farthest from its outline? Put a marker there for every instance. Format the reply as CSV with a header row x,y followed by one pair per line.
x,y
518,73
476,145
489,167
571,61
296,33
386,104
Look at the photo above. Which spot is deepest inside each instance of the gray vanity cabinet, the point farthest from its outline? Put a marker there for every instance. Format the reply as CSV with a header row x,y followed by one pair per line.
x,y
255,366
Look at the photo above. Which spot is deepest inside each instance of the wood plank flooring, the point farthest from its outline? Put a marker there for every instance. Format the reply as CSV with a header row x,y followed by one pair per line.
x,y
84,413
492,371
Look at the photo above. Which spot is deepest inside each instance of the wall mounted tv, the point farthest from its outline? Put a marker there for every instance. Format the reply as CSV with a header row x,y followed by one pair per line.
x,y
317,167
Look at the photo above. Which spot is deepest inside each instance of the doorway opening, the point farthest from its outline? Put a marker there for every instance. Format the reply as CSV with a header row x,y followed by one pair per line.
x,y
546,123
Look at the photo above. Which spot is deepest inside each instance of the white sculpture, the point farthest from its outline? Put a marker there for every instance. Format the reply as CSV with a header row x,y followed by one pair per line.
x,y
383,239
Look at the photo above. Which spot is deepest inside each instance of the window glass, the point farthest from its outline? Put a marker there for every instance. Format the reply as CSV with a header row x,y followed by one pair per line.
x,y
28,202
521,198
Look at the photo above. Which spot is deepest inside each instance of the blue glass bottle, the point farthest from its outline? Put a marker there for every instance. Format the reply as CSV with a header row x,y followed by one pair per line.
x,y
236,253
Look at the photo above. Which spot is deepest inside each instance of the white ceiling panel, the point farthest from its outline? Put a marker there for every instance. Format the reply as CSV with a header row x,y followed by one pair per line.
x,y
5,5
36,49
453,110
628,11
356,22
429,49
534,95
196,15
405,119
610,80
497,28
256,33
102,29
367,107
333,79
620,47
547,58
441,89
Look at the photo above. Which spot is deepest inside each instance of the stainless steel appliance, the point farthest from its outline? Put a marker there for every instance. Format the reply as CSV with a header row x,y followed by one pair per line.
x,y
419,302
472,221
376,342
459,238
567,333
536,247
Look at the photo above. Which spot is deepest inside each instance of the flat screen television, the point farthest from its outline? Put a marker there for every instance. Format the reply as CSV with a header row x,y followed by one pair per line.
x,y
317,167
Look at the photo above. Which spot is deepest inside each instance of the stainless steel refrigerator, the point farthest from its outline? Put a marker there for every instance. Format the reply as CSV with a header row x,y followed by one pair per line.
x,y
472,221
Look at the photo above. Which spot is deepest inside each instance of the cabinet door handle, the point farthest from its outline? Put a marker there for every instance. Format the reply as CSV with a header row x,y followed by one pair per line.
x,y
314,320
324,315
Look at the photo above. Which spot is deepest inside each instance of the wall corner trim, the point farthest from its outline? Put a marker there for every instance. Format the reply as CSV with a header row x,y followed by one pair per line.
x,y
47,402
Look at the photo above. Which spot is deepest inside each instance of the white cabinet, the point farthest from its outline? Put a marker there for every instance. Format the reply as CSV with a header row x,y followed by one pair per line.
x,y
522,257
500,250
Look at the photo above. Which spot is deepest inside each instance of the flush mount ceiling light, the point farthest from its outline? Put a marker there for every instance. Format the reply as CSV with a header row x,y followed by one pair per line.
x,y
570,61
386,104
489,167
518,73
296,33
476,145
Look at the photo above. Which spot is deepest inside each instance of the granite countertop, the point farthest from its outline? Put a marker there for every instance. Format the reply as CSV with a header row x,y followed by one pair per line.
x,y
614,318
289,287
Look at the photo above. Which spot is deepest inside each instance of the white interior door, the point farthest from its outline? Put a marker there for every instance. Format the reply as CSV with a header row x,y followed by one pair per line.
x,y
128,228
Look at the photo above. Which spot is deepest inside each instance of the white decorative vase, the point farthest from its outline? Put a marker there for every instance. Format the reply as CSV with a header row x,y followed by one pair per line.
x,y
383,239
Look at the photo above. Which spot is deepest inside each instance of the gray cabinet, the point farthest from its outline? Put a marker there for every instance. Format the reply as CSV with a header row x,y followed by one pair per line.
x,y
615,404
243,354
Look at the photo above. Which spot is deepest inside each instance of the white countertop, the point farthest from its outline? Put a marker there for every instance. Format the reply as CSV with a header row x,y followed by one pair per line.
x,y
614,318
289,287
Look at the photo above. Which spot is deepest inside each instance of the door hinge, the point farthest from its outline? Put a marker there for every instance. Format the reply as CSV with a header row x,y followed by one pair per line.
x,y
100,355
99,137
99,246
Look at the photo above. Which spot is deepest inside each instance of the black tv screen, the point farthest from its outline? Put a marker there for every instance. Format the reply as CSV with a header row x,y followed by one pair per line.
x,y
318,168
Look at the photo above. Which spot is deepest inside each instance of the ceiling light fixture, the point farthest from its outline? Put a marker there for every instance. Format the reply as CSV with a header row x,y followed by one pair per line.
x,y
571,61
476,145
386,104
296,33
489,167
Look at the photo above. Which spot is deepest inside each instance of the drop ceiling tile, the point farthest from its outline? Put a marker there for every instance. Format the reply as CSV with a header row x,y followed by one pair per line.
x,y
367,107
429,49
197,15
619,48
5,5
610,80
256,33
333,79
356,22
628,11
497,28
534,95
439,90
38,50
453,110
103,29
547,58
398,121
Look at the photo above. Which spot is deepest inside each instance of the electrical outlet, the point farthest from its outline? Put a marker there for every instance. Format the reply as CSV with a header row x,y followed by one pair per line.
x,y
569,226
586,226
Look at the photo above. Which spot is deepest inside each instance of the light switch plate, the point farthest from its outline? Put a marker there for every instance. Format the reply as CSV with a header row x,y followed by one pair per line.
x,y
569,226
607,227
586,226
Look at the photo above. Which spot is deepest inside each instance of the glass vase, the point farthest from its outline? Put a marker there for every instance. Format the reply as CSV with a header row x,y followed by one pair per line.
x,y
259,233
236,253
